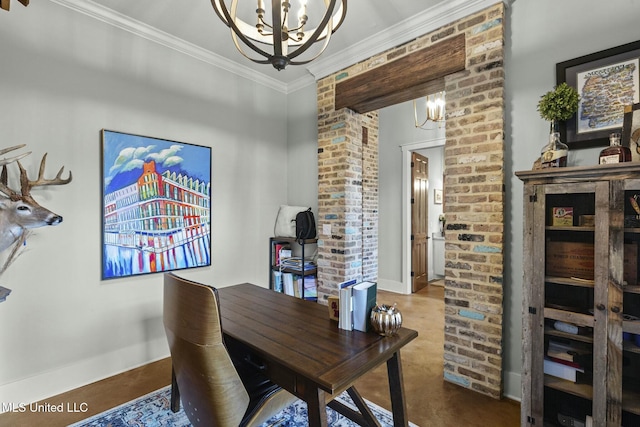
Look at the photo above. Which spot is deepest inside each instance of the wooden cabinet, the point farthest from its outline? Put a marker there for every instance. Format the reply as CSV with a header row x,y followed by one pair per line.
x,y
300,274
581,291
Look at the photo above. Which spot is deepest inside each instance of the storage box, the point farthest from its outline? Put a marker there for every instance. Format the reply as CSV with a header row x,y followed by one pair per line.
x,y
569,259
573,259
587,220
333,303
562,217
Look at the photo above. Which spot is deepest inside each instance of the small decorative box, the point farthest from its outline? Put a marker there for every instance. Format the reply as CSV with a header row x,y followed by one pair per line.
x,y
562,217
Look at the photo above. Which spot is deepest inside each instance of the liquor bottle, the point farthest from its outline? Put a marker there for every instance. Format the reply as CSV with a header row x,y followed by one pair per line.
x,y
554,154
615,153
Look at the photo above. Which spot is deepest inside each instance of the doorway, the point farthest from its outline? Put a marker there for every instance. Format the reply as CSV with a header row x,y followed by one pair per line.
x,y
407,182
419,221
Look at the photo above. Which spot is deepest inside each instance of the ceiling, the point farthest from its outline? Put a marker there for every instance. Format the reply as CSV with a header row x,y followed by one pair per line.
x,y
370,27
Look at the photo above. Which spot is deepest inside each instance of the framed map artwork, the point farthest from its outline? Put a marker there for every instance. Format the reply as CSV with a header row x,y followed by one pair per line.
x,y
606,81
156,205
631,130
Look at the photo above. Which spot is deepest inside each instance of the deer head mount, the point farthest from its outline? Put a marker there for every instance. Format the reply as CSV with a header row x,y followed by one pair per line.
x,y
4,4
18,210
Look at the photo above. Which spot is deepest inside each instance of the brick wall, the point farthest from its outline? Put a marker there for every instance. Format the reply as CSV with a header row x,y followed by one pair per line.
x,y
473,188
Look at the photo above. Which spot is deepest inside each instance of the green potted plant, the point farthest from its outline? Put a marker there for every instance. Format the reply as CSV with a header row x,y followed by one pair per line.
x,y
559,104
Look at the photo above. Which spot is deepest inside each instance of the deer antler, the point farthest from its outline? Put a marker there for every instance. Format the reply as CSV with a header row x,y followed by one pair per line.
x,y
14,195
12,159
26,185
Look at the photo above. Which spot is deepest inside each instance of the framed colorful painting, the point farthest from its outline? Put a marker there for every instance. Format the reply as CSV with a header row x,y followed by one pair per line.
x,y
156,205
606,81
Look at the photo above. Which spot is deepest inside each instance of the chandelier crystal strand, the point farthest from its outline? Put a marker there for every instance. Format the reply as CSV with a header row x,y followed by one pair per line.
x,y
286,36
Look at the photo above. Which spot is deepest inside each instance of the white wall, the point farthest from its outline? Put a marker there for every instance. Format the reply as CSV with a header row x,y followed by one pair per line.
x,y
541,34
302,136
64,78
397,129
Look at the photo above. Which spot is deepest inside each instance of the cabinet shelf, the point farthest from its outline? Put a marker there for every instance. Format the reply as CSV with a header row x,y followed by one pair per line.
x,y
580,228
576,337
311,272
579,319
631,326
630,347
631,402
571,281
581,390
609,253
569,228
632,289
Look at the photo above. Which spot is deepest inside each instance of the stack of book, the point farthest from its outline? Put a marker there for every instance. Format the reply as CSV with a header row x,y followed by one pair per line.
x,y
356,302
569,361
296,263
292,284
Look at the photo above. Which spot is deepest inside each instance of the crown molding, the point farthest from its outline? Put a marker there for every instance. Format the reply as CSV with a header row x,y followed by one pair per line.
x,y
126,23
409,29
425,22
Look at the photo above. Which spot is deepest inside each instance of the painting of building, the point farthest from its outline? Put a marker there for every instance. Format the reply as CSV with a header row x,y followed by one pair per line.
x,y
156,205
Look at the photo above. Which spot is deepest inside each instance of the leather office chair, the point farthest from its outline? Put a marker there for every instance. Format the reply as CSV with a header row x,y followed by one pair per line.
x,y
216,390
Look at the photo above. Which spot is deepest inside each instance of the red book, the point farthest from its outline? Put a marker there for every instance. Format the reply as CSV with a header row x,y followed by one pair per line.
x,y
565,362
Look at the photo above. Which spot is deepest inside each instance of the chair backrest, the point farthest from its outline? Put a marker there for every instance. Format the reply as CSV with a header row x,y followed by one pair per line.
x,y
211,391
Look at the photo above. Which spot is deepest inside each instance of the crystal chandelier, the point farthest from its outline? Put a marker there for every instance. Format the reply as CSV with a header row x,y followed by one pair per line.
x,y
287,34
434,110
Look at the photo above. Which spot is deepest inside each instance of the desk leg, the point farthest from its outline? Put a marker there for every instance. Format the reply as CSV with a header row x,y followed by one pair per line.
x,y
317,408
175,393
396,388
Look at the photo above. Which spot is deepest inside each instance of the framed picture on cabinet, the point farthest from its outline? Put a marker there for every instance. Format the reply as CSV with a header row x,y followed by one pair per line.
x,y
631,128
156,205
606,81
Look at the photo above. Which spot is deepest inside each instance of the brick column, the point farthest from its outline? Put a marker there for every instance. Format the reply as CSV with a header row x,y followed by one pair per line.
x,y
347,193
473,188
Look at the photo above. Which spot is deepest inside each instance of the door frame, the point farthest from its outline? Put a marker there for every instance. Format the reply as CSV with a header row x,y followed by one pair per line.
x,y
407,149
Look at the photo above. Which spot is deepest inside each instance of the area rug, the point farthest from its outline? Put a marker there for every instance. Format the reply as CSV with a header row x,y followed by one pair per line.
x,y
153,410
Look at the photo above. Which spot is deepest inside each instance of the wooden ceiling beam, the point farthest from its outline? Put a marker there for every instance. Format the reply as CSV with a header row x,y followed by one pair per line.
x,y
412,76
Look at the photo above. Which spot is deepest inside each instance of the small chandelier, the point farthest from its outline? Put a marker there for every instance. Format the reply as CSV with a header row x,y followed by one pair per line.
x,y
288,37
434,110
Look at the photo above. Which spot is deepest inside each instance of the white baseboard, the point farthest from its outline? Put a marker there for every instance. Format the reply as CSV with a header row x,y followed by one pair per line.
x,y
512,385
87,371
391,286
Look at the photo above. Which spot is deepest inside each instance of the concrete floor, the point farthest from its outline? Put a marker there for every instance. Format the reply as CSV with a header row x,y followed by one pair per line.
x,y
430,400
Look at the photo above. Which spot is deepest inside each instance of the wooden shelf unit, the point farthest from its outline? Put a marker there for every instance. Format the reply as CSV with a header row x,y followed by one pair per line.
x,y
300,272
603,303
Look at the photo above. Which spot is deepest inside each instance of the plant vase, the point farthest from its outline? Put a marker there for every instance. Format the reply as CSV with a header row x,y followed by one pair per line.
x,y
554,154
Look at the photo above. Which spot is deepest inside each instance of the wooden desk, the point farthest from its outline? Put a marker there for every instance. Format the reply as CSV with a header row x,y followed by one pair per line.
x,y
304,352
